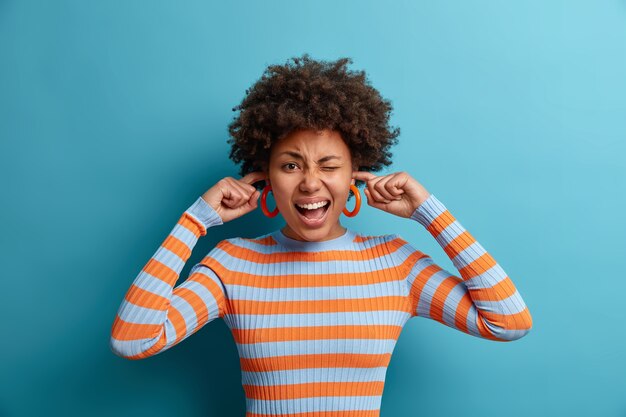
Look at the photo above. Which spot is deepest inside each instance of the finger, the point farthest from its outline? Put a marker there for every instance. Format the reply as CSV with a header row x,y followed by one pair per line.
x,y
254,199
233,195
370,180
381,187
245,188
227,198
375,192
371,201
232,204
250,204
395,187
363,175
244,185
253,177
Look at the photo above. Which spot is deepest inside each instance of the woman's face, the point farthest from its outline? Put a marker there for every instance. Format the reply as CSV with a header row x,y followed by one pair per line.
x,y
309,167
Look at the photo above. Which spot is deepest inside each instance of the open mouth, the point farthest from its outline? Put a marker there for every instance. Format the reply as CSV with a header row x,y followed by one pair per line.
x,y
314,215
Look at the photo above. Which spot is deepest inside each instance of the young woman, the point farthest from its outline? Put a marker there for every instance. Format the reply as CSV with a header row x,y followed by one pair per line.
x,y
315,308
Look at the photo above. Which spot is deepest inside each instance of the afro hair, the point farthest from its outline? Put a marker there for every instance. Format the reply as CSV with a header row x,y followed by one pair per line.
x,y
312,94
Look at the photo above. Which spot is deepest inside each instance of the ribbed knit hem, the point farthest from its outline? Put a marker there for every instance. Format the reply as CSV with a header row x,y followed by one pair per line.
x,y
428,211
204,213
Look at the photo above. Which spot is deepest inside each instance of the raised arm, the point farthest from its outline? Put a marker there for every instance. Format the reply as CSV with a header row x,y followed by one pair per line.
x,y
483,302
154,316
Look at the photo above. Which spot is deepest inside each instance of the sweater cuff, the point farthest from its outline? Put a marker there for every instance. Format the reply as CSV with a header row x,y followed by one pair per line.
x,y
428,211
204,213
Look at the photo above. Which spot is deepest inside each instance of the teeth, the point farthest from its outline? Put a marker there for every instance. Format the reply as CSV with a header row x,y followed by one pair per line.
x,y
313,206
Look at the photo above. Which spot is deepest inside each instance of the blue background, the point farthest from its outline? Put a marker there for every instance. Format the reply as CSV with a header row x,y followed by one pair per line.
x,y
113,121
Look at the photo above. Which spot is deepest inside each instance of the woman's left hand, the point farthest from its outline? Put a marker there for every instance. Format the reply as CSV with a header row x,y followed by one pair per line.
x,y
397,193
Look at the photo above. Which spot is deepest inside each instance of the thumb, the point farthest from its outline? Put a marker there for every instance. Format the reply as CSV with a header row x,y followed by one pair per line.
x,y
252,203
371,201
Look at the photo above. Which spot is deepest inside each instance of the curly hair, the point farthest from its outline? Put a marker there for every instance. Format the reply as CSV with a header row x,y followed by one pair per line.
x,y
312,94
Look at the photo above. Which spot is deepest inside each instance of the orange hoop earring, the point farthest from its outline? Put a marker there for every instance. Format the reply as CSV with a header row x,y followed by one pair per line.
x,y
266,190
357,206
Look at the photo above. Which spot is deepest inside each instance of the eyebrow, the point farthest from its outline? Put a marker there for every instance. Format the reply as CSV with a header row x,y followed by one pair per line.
x,y
324,159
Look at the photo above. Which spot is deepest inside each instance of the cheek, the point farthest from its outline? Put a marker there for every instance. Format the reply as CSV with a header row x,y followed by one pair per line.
x,y
285,185
340,192
282,191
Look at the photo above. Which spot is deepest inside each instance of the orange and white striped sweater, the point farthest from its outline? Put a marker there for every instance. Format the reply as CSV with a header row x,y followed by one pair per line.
x,y
315,323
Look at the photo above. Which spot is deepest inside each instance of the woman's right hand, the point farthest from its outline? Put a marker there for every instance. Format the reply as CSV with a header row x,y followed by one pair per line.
x,y
232,198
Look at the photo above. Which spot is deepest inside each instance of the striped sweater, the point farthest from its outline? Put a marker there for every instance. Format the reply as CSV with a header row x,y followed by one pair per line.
x,y
315,323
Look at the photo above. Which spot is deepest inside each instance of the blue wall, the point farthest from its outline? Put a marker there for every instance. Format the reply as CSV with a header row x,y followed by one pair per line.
x,y
113,120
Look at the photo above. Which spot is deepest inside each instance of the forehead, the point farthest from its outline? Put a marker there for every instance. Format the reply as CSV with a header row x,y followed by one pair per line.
x,y
312,143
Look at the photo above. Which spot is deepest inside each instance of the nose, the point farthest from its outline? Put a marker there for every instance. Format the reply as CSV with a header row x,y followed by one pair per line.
x,y
310,182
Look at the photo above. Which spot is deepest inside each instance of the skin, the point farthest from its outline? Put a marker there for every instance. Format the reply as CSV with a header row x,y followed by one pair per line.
x,y
294,178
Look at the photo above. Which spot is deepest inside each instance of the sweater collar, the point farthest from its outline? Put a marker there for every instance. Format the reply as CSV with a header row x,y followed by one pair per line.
x,y
341,242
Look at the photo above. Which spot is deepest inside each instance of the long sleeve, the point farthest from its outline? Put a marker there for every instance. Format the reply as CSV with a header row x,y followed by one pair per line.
x,y
483,302
154,316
